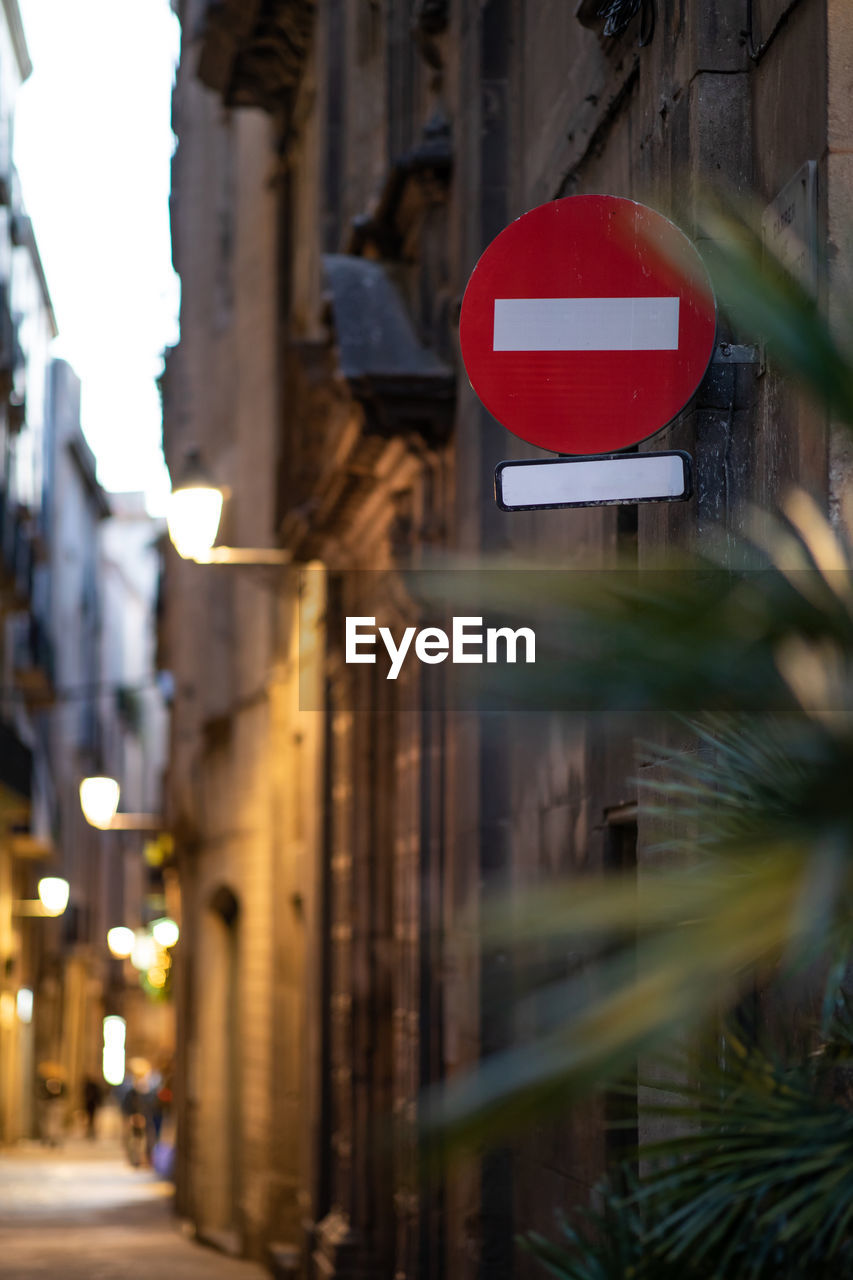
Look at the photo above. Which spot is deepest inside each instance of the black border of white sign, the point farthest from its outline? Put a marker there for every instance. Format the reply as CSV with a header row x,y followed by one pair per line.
x,y
597,480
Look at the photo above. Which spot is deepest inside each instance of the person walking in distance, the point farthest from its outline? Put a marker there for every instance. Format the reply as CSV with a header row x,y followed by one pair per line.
x,y
91,1104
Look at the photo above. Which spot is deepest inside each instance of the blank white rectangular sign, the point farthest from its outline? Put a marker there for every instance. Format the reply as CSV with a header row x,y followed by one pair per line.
x,y
586,324
585,482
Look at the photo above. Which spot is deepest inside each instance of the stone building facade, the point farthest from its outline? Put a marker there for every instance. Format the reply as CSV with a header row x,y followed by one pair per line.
x,y
27,327
340,167
79,686
56,977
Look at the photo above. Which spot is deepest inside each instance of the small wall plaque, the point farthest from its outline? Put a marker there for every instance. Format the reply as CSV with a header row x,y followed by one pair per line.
x,y
789,226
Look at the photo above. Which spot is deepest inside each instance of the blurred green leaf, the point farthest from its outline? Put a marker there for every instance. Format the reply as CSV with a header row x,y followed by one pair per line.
x,y
757,1183
767,303
752,878
755,911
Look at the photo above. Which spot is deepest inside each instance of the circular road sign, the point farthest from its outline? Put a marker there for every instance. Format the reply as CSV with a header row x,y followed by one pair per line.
x,y
587,324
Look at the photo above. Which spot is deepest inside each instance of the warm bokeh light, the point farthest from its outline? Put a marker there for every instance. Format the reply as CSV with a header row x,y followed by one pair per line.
x,y
113,1064
99,801
53,894
159,850
145,951
157,977
115,1033
165,931
120,941
24,1003
193,515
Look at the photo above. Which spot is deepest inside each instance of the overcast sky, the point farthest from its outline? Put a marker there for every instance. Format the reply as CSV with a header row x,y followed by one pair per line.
x,y
93,146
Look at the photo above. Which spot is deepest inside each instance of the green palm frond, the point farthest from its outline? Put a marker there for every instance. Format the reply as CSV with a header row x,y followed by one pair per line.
x,y
609,1240
759,870
768,304
769,883
773,636
751,825
765,1174
758,1183
757,780
763,908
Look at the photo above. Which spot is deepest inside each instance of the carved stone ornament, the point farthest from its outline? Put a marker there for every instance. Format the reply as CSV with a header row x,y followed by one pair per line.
x,y
429,164
614,17
402,386
254,51
431,16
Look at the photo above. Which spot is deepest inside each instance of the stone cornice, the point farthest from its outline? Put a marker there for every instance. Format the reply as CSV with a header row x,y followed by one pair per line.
x,y
430,164
19,40
254,51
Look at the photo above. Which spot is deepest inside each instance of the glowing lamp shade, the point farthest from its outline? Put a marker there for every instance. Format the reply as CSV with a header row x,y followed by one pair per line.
x,y
53,894
120,941
166,932
193,515
99,801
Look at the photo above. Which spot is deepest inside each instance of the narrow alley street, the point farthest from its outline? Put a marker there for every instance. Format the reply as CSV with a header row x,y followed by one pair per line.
x,y
81,1213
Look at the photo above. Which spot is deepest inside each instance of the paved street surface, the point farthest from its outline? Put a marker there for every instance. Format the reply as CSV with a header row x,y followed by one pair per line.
x,y
81,1213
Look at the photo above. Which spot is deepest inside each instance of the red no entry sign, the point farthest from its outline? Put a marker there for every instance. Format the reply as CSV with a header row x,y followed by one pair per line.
x,y
587,324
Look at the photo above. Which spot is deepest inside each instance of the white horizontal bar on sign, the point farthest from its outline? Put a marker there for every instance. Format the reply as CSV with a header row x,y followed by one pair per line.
x,y
580,482
586,324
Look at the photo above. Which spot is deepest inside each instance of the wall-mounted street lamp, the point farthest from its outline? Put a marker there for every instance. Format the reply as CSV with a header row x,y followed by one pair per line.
x,y
53,894
99,798
192,517
99,801
53,897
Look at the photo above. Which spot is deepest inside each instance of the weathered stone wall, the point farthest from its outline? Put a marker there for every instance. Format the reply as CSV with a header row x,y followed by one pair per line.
x,y
221,396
